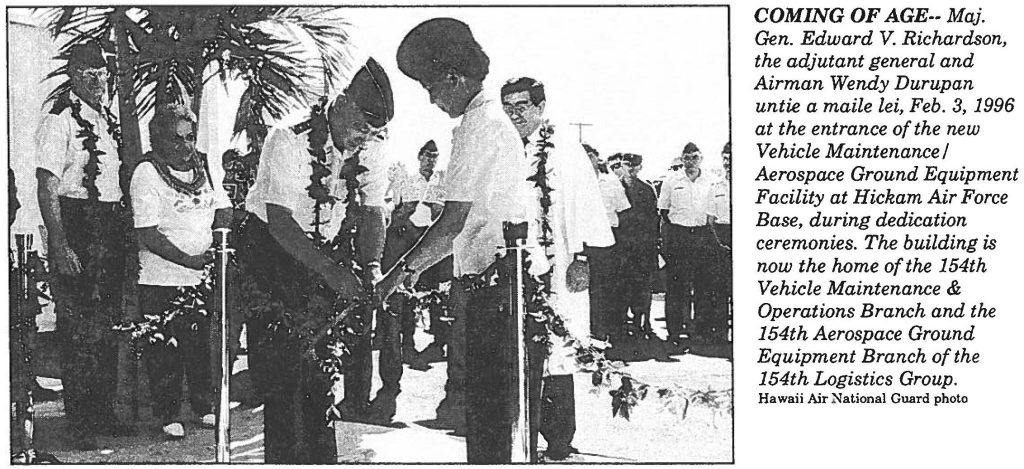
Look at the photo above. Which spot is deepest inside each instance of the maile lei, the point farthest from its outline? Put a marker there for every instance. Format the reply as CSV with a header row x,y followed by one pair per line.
x,y
589,354
344,316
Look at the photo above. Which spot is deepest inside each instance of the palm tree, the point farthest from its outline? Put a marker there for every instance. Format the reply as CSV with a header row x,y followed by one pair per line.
x,y
165,54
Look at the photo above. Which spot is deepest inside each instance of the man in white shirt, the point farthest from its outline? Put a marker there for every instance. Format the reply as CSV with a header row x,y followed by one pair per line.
x,y
577,217
688,247
175,195
720,215
418,201
485,186
286,264
80,203
605,264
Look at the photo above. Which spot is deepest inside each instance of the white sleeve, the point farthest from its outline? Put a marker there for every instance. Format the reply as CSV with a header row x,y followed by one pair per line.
x,y
665,198
145,195
52,139
281,170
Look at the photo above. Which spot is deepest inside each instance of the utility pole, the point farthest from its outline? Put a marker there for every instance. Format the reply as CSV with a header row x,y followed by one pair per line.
x,y
580,126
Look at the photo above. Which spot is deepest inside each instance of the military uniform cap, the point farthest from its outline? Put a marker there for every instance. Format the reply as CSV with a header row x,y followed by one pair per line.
x,y
438,45
370,90
430,147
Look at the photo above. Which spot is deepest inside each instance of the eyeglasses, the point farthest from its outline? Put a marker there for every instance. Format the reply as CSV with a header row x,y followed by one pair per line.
x,y
518,107
618,165
691,156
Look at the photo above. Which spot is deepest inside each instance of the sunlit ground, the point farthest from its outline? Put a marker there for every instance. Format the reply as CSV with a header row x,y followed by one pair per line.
x,y
651,435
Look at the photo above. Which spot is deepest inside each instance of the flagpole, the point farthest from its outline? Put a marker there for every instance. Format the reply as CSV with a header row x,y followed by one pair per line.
x,y
223,436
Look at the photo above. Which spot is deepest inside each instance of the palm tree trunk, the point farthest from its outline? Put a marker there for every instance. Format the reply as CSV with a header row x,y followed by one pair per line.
x,y
126,401
197,94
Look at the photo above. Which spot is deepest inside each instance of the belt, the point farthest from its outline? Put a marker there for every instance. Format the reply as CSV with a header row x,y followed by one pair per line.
x,y
109,206
689,229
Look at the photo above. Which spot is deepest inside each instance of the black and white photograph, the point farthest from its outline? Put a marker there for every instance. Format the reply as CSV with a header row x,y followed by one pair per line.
x,y
370,234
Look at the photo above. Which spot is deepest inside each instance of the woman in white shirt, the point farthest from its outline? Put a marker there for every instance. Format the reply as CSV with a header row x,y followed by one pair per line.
x,y
175,200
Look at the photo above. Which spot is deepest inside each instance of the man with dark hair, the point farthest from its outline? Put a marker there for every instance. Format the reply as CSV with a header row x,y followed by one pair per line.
x,y
80,202
485,186
637,246
533,91
283,260
688,248
175,197
576,217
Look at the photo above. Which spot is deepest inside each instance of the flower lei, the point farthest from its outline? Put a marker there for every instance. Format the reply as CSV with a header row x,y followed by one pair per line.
x,y
193,187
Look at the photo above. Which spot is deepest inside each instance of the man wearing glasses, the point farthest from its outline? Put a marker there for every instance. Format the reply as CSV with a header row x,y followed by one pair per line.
x,y
688,248
79,199
577,219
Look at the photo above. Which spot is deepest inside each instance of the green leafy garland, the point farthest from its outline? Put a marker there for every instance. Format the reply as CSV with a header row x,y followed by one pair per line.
x,y
190,300
317,138
540,180
589,354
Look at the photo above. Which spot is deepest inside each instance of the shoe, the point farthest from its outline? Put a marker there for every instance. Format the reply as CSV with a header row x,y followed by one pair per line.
x,y
173,431
560,453
209,421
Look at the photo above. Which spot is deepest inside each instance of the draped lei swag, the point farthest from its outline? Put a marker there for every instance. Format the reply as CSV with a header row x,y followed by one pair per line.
x,y
589,354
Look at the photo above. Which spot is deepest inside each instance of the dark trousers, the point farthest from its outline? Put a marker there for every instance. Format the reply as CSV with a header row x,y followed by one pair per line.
x,y
87,307
688,255
721,285
558,412
296,393
636,264
490,374
453,407
605,295
369,246
402,236
167,365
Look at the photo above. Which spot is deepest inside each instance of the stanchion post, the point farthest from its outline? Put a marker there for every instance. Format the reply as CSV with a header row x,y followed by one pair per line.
x,y
515,244
224,399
